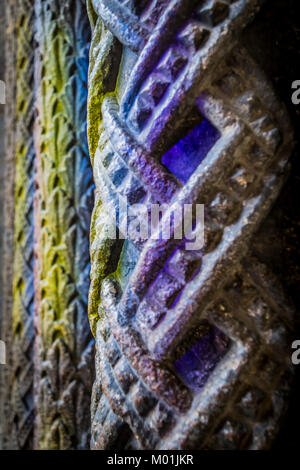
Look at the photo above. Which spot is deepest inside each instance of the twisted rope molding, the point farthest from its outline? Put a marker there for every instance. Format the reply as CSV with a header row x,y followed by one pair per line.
x,y
163,70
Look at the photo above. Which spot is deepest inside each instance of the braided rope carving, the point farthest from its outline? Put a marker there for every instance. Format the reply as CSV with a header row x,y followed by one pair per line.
x,y
191,346
63,199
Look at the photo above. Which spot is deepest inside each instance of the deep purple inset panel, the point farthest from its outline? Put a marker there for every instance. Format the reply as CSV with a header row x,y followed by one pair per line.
x,y
185,156
195,366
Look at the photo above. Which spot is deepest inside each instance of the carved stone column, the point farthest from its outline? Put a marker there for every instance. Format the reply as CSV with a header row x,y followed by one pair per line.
x,y
192,346
46,384
8,215
64,348
22,365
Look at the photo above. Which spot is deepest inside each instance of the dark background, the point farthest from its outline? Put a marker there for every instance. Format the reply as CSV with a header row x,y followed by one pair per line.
x,y
274,42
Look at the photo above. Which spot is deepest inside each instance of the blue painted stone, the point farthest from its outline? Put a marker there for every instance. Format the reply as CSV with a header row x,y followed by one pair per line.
x,y
185,156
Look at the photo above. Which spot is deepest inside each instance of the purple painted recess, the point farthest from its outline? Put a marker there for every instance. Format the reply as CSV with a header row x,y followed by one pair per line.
x,y
195,366
185,156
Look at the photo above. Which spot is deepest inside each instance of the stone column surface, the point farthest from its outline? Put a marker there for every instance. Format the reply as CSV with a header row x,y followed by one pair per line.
x,y
9,33
47,381
192,345
64,194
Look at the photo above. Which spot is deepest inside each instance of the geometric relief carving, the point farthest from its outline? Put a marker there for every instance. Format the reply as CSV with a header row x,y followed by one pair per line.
x,y
50,366
64,195
21,403
192,346
7,240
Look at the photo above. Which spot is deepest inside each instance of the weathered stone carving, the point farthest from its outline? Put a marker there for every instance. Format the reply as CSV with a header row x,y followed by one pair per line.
x,y
48,378
21,377
64,369
8,236
191,346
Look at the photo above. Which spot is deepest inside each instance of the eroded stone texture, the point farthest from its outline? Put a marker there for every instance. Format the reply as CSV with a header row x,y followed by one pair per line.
x,y
22,361
158,72
46,384
8,222
64,362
